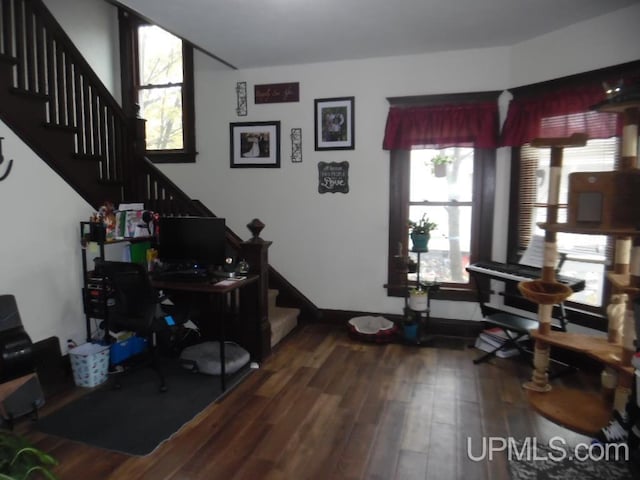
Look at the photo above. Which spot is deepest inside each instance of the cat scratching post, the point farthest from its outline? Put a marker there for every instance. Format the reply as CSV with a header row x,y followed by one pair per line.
x,y
547,291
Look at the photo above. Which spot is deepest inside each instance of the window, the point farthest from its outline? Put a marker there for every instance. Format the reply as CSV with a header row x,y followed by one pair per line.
x,y
157,78
586,256
447,201
558,108
460,203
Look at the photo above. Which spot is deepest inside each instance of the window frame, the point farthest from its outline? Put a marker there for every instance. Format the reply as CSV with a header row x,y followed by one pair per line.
x,y
130,80
484,186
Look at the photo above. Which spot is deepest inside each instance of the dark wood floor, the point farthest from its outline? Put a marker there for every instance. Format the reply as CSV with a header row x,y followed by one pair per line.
x,y
325,407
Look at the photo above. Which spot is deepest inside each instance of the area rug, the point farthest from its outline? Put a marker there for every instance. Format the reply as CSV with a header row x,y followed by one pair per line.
x,y
546,463
136,418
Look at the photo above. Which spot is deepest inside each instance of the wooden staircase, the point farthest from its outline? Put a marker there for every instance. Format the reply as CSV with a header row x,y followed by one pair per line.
x,y
53,100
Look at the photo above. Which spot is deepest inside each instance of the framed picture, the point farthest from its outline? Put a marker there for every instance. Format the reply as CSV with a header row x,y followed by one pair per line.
x,y
334,123
255,144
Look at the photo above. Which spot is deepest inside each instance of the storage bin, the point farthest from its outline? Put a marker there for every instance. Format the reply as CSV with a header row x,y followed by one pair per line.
x,y
124,349
90,364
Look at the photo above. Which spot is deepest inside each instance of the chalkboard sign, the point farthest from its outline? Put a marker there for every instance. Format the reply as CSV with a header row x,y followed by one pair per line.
x,y
333,177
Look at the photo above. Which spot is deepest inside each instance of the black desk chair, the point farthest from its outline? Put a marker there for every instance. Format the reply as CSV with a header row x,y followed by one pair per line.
x,y
136,306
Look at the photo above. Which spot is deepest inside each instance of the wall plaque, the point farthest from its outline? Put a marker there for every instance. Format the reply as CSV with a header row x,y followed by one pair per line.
x,y
277,93
8,166
333,177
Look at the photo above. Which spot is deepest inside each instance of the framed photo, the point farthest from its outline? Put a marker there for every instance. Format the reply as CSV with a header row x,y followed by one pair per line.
x,y
334,123
255,144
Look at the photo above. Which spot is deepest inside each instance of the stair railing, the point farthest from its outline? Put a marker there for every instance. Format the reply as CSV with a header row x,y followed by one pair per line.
x,y
47,64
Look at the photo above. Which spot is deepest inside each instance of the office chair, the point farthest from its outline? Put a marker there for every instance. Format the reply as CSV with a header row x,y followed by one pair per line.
x,y
134,305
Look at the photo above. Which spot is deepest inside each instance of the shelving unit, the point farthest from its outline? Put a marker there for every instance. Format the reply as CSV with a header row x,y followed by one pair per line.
x,y
421,317
94,289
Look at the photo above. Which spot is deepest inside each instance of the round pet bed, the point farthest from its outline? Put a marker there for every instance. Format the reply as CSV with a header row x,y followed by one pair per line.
x,y
372,329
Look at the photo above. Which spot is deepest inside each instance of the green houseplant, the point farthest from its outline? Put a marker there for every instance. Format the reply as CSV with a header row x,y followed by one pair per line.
x,y
19,460
420,233
439,164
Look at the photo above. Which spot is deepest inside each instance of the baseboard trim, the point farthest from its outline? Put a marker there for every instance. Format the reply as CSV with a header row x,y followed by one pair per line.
x,y
436,326
460,328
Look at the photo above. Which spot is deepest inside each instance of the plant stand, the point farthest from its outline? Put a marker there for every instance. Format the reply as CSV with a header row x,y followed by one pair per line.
x,y
422,317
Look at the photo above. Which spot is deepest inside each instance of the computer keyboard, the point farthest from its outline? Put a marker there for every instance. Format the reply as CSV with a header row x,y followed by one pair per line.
x,y
187,275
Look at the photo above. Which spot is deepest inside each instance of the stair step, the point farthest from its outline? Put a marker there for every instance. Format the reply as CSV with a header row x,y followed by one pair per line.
x,y
57,126
272,296
282,320
88,157
8,59
42,97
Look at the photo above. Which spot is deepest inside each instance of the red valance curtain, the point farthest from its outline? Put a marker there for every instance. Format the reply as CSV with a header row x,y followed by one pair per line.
x,y
473,124
558,113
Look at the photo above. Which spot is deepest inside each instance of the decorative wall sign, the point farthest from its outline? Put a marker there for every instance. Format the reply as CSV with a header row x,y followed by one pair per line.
x,y
241,95
334,123
333,177
255,144
8,170
296,145
277,93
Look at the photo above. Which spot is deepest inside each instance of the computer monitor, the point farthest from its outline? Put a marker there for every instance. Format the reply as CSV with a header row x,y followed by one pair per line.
x,y
192,241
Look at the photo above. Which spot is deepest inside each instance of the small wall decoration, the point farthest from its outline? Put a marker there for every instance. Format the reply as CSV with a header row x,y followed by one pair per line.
x,y
277,93
334,123
333,177
5,174
255,144
241,95
296,145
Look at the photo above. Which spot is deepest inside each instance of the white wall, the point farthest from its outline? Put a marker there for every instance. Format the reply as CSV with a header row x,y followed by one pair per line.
x,y
40,248
92,25
607,40
331,246
40,257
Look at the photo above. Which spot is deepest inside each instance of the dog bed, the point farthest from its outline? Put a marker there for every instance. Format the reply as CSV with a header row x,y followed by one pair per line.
x,y
372,329
205,357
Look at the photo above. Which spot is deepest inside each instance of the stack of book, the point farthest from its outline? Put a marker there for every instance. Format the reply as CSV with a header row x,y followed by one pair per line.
x,y
492,338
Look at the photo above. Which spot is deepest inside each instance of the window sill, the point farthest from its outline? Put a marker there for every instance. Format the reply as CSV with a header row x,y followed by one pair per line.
x,y
171,156
445,292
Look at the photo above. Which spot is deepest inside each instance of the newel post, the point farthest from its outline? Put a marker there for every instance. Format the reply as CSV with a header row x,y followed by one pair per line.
x,y
134,178
255,252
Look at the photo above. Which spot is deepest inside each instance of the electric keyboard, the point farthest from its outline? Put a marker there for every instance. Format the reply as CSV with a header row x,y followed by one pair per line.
x,y
519,273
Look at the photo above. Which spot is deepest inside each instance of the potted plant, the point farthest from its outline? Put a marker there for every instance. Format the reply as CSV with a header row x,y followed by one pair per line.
x,y
439,164
420,233
418,299
19,460
409,325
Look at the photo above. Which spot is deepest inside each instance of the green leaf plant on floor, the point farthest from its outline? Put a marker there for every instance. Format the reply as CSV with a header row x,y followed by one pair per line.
x,y
19,460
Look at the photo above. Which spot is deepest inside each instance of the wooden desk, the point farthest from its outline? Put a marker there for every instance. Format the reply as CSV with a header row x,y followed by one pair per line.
x,y
226,292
